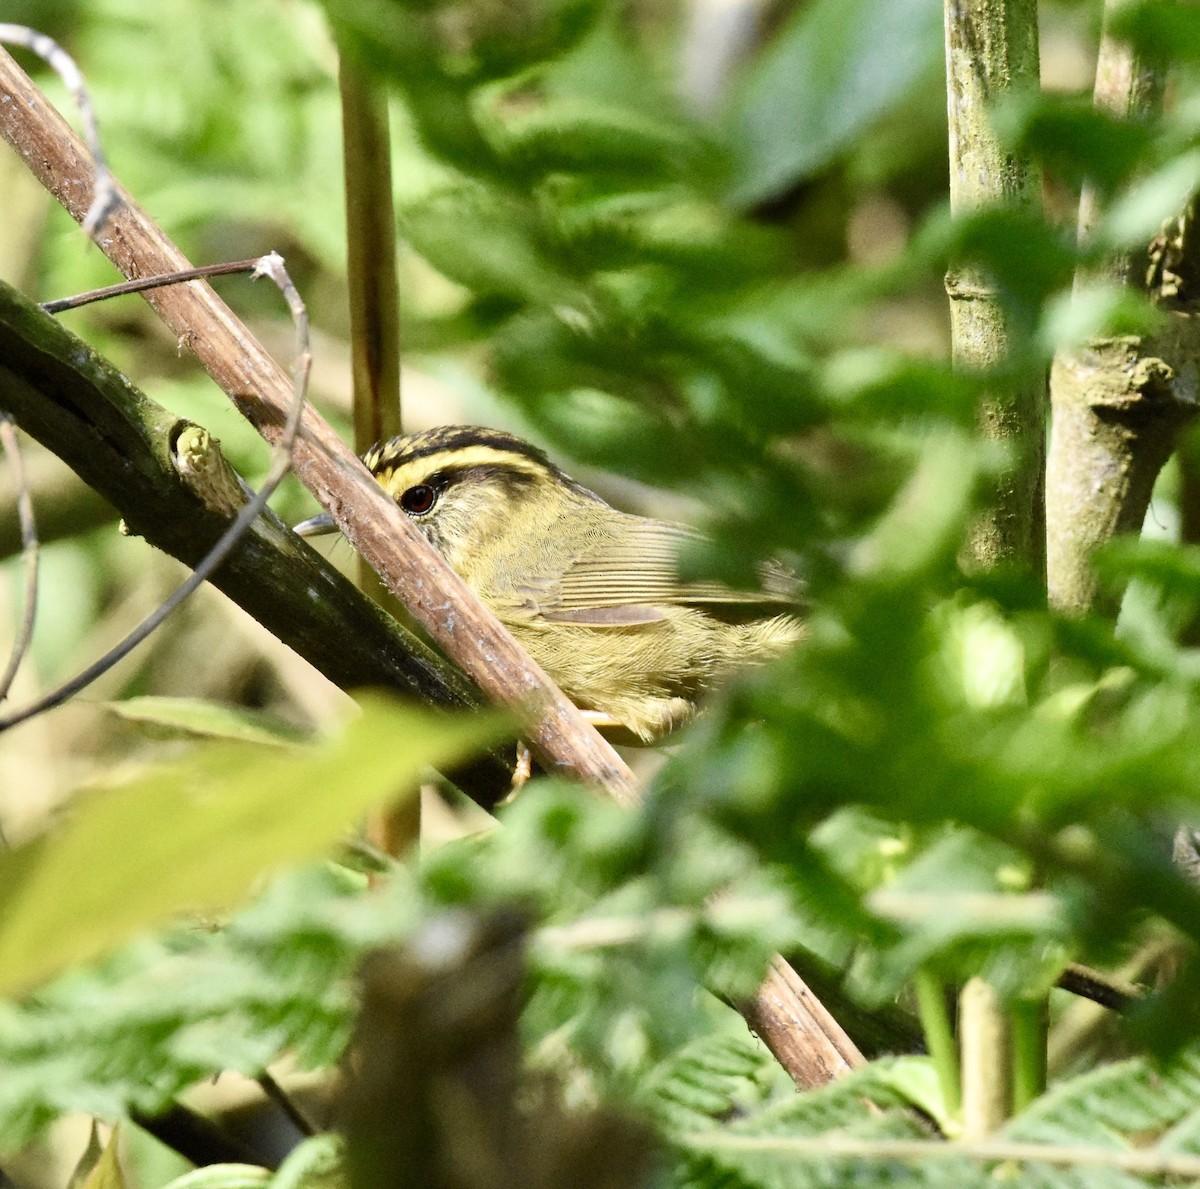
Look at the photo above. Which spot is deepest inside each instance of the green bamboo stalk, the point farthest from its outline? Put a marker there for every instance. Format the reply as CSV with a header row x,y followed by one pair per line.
x,y
991,51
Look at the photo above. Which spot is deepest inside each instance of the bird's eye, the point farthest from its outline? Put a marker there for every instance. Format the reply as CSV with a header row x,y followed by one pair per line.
x,y
419,499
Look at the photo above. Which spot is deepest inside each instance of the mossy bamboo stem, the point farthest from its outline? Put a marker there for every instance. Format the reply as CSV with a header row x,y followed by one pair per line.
x,y
992,51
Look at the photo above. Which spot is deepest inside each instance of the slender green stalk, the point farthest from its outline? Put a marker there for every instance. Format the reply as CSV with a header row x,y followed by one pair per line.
x,y
1028,1023
939,1037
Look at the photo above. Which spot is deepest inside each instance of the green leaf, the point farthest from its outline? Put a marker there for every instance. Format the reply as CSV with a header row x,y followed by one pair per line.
x,y
1174,569
1129,1105
195,716
587,138
314,1164
136,1029
957,906
865,1104
483,240
926,519
317,1163
695,1087
917,1080
1026,256
835,68
1159,32
198,832
983,657
1089,311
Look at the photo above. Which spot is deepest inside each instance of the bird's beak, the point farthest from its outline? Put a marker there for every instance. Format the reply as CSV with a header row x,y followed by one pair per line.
x,y
315,526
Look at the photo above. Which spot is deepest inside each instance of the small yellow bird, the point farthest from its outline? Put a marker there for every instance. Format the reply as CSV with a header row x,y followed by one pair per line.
x,y
592,593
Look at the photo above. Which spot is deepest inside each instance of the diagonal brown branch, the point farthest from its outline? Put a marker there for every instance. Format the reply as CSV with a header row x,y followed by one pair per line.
x,y
435,595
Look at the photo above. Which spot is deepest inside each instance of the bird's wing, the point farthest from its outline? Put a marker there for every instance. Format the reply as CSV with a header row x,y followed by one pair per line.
x,y
631,576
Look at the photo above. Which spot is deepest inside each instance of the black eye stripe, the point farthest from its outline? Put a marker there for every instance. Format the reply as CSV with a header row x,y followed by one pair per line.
x,y
421,498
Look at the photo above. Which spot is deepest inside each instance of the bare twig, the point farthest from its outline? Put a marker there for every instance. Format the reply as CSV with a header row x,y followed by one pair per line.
x,y
1114,993
104,191
794,1024
270,266
29,552
282,1099
143,284
1089,1018
371,258
198,1138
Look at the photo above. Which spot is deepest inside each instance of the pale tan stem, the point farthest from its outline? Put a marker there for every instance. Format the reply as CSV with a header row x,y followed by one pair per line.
x,y
986,1050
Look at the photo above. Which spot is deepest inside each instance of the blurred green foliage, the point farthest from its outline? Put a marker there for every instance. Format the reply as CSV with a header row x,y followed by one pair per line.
x,y
947,777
